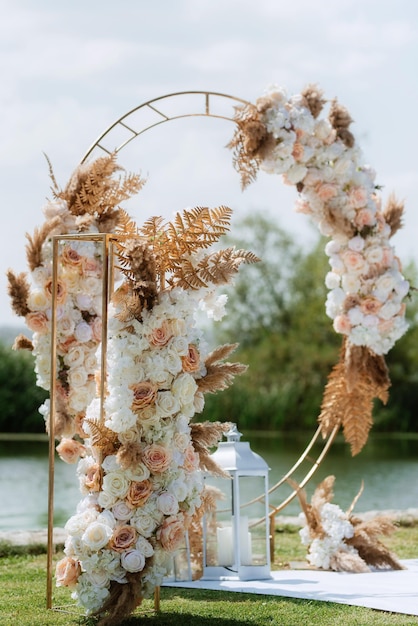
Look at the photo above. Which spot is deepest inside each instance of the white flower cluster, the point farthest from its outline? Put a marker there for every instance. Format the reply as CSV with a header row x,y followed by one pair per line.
x,y
78,317
130,520
366,284
336,527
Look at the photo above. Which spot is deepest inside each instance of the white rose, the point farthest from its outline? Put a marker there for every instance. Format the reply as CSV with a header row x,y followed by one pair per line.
x,y
332,280
374,254
96,535
83,332
144,524
184,388
167,503
179,488
356,243
138,473
116,484
180,345
92,286
389,309
355,316
144,546
98,577
105,500
80,397
122,511
296,173
74,356
78,523
132,561
350,283
110,463
106,517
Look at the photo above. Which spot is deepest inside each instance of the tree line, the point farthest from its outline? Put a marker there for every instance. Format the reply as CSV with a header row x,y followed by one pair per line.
x,y
276,311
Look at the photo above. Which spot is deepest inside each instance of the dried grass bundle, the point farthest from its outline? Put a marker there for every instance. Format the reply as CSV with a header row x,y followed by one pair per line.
x,y
340,120
137,263
18,290
204,436
37,240
129,455
393,213
314,99
122,601
220,375
369,547
22,343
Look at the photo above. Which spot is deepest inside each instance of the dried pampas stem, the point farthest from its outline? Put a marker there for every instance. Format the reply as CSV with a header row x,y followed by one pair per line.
x,y
18,290
393,213
22,343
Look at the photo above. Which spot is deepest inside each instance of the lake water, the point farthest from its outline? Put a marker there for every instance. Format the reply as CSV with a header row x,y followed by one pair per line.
x,y
388,465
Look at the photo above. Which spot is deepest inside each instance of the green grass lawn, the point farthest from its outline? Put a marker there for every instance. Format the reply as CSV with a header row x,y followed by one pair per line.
x,y
23,596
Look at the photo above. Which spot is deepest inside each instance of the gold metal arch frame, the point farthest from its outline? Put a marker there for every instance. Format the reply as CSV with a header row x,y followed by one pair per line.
x,y
117,136
185,104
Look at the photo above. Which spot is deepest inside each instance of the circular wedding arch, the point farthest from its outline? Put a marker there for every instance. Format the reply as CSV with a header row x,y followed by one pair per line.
x,y
211,104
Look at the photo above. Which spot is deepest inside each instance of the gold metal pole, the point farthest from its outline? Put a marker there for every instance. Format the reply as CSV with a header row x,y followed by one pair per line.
x,y
157,597
51,456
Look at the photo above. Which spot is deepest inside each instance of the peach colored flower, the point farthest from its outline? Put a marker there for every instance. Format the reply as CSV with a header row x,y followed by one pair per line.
x,y
191,362
327,191
61,290
298,151
357,197
370,306
353,260
78,425
342,324
70,450
157,458
94,478
161,336
138,493
38,322
364,217
191,460
144,395
91,266
67,572
385,326
71,257
123,538
171,533
302,206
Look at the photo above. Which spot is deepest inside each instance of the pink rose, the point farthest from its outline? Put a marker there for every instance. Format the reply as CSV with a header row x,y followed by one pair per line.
x,y
191,460
138,493
144,395
96,327
61,290
357,197
191,362
71,257
160,336
353,260
364,217
70,450
171,533
123,538
67,572
38,322
370,306
157,458
342,324
327,191
298,151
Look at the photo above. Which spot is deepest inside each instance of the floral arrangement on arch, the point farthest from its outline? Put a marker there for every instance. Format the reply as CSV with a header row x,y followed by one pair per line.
x,y
139,456
340,541
320,157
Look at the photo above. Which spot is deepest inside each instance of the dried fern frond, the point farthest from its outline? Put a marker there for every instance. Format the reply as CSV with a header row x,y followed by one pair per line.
x,y
18,289
36,241
22,343
197,228
393,213
93,189
101,437
126,228
219,267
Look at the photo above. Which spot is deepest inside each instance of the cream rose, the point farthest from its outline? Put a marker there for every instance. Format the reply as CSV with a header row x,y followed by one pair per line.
x,y
116,484
96,536
167,503
83,332
38,300
37,322
166,404
184,387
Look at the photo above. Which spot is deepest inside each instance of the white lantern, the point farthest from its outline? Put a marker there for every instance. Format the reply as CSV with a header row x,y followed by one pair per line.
x,y
236,535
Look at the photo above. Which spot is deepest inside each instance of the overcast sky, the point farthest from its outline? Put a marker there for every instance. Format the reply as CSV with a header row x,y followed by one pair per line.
x,y
70,69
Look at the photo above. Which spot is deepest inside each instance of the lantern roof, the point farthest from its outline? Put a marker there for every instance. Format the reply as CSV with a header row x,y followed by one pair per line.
x,y
234,455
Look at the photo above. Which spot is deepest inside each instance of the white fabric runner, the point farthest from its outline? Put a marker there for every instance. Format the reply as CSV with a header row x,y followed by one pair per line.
x,y
393,591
